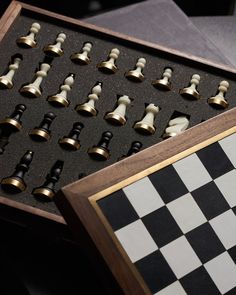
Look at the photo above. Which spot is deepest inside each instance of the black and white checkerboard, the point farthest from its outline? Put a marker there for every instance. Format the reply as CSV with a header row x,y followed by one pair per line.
x,y
178,225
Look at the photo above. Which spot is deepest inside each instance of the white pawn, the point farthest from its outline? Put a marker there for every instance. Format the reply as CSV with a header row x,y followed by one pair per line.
x,y
6,80
83,57
137,74
88,108
29,41
176,126
109,66
164,83
118,115
219,100
60,99
146,125
191,91
55,49
34,89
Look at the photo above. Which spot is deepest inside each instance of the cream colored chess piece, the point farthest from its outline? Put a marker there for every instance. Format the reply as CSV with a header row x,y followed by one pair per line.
x,y
164,83
83,56
118,115
136,74
6,80
109,66
219,100
29,41
56,49
191,91
146,125
176,126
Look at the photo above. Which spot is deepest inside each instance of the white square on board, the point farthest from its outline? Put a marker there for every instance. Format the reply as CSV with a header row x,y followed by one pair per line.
x,y
173,289
228,144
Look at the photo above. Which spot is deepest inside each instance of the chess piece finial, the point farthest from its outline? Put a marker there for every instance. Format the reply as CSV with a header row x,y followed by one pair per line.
x,y
118,115
176,126
164,83
72,142
42,132
55,50
88,108
136,74
15,183
29,41
101,151
219,100
109,66
33,90
47,190
191,91
6,80
83,56
13,122
60,99
146,125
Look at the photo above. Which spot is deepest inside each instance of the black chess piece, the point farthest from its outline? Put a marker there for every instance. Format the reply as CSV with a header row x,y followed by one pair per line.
x,y
13,122
82,175
43,133
134,149
72,142
47,190
101,151
15,183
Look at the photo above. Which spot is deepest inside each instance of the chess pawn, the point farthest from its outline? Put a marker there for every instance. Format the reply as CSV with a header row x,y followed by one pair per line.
x,y
60,99
47,190
109,66
191,91
219,100
43,133
83,56
29,40
176,126
72,142
101,151
136,74
55,50
146,125
118,115
134,149
33,89
13,122
88,108
6,80
164,83
15,183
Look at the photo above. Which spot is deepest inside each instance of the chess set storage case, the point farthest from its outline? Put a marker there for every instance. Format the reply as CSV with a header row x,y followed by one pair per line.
x,y
206,124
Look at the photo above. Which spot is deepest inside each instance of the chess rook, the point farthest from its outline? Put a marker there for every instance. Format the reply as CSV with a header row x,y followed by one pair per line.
x,y
191,91
219,100
83,56
118,115
55,50
60,99
134,149
88,108
72,142
136,74
43,133
6,80
176,126
109,66
164,83
33,90
15,183
29,41
101,151
146,125
13,122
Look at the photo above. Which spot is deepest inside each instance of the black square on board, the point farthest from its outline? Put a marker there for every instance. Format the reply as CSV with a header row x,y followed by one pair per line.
x,y
232,253
234,210
231,292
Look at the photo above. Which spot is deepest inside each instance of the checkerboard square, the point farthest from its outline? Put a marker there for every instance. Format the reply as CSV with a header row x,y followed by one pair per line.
x,y
168,184
232,253
136,240
222,270
181,257
173,289
208,157
227,185
225,227
186,213
228,144
231,292
192,172
156,272
199,282
162,226
143,196
210,200
205,242
234,210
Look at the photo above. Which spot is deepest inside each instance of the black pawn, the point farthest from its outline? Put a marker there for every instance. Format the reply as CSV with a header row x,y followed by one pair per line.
x,y
13,122
101,151
72,142
134,149
43,133
15,183
47,190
